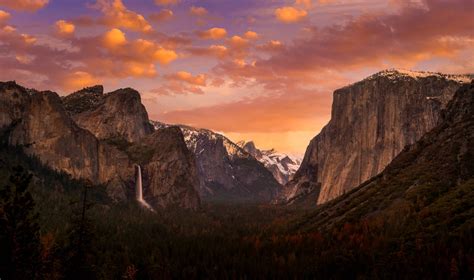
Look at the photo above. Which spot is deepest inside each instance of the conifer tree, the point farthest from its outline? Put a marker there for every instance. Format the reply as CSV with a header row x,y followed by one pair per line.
x,y
19,230
79,250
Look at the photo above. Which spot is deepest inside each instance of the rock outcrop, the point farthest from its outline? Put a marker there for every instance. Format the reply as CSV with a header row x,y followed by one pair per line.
x,y
118,114
226,171
39,122
371,122
282,166
169,170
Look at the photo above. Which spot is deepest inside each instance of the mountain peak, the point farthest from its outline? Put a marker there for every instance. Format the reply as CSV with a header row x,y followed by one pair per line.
x,y
280,165
250,147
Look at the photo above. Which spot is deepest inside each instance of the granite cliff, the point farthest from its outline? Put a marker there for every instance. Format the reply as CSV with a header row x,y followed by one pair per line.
x,y
116,114
430,182
98,147
371,122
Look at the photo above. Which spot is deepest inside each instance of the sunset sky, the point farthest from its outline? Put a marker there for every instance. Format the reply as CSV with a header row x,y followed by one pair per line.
x,y
259,70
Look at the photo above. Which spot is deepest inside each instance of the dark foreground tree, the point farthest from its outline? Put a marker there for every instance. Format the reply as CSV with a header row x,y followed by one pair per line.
x,y
79,251
19,230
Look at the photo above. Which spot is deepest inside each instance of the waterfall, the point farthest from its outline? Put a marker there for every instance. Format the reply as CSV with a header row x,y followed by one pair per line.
x,y
139,189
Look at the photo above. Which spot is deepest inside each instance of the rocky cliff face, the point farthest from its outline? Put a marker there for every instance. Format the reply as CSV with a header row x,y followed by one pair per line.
x,y
169,170
371,122
39,122
282,166
432,178
118,114
226,171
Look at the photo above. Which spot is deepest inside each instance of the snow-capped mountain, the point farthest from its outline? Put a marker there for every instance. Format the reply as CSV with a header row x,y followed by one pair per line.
x,y
281,165
227,172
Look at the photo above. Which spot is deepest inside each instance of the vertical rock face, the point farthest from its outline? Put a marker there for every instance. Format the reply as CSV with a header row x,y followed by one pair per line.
x,y
226,171
41,125
371,122
39,122
437,169
282,166
170,170
119,114
13,101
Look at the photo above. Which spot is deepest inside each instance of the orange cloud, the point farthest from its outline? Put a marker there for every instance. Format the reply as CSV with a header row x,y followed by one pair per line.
x,y
166,2
28,39
147,50
290,14
4,16
213,33
271,46
24,5
238,42
198,80
162,15
139,69
218,51
239,48
114,38
117,15
78,80
165,56
252,35
198,11
174,88
24,59
8,29
182,83
414,34
64,27
107,57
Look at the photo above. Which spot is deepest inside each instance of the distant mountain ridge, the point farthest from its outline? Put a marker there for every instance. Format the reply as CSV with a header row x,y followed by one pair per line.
x,y
282,166
371,122
227,171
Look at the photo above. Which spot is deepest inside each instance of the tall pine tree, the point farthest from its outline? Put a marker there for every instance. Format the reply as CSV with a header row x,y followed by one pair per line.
x,y
19,230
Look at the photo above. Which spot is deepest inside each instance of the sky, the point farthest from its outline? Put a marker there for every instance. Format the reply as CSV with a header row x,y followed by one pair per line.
x,y
259,70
